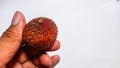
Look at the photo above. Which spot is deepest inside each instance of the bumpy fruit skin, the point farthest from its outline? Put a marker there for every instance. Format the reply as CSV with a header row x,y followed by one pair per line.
x,y
40,34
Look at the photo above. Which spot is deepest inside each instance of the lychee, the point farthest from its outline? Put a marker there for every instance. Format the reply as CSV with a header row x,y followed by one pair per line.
x,y
40,34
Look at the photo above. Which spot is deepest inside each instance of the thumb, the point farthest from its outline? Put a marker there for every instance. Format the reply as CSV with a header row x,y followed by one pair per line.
x,y
11,39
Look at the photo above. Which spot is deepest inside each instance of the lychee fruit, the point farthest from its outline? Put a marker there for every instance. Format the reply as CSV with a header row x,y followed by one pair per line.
x,y
40,34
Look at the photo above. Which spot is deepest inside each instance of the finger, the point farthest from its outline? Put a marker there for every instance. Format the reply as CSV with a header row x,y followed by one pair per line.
x,y
11,38
28,64
45,60
31,52
14,64
55,47
35,60
21,56
55,60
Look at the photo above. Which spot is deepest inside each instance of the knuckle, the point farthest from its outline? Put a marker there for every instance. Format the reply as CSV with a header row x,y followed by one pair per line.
x,y
11,34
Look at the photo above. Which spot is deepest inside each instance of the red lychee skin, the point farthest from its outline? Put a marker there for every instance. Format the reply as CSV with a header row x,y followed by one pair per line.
x,y
40,34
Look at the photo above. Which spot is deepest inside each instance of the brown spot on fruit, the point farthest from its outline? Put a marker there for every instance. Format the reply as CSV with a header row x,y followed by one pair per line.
x,y
40,20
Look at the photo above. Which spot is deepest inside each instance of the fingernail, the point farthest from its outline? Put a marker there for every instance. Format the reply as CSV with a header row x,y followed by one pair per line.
x,y
16,18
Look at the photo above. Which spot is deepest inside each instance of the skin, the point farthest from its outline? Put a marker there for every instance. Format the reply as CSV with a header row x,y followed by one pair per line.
x,y
13,55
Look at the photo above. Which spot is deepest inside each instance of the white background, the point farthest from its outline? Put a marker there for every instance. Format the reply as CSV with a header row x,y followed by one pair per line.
x,y
89,30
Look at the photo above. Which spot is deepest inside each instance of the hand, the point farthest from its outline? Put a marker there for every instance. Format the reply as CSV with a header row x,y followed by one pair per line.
x,y
12,55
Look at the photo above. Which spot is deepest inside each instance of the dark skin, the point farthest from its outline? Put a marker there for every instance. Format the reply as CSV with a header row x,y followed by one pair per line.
x,y
13,55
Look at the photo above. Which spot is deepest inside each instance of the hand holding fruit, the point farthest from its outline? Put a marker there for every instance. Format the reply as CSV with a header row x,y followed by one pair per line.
x,y
12,55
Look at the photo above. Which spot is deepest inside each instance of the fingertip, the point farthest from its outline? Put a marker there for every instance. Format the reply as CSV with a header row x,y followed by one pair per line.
x,y
20,13
45,60
55,59
55,47
23,20
58,43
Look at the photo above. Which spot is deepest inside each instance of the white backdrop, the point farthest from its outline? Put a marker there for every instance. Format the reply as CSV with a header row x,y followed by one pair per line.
x,y
89,30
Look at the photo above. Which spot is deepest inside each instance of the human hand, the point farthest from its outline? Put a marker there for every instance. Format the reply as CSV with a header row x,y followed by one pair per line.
x,y
12,55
